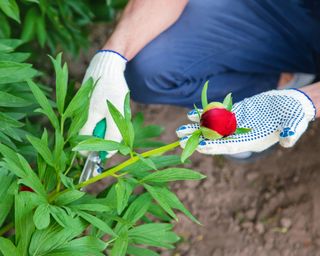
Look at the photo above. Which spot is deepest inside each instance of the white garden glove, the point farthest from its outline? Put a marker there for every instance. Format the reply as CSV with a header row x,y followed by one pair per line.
x,y
274,116
107,67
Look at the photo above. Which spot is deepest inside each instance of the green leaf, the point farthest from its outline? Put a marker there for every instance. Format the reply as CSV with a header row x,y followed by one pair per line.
x,y
148,162
62,217
154,234
41,30
127,117
242,130
97,223
7,247
9,100
87,245
174,202
55,236
97,144
11,9
138,251
138,208
13,72
68,197
173,174
41,217
227,102
78,122
66,181
29,25
44,103
8,187
120,246
82,97
42,148
61,81
25,202
120,122
123,192
204,97
210,134
191,145
156,193
93,207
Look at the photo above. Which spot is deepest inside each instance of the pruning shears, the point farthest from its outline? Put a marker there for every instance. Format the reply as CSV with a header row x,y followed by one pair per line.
x,y
93,164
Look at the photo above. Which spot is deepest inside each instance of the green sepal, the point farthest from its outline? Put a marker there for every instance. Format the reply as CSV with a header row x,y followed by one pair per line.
x,y
210,134
242,130
213,105
227,102
204,97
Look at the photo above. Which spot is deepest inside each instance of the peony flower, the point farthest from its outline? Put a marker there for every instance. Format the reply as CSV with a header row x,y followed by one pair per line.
x,y
219,120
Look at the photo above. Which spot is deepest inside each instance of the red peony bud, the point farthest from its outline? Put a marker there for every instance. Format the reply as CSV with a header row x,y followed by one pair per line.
x,y
219,120
26,188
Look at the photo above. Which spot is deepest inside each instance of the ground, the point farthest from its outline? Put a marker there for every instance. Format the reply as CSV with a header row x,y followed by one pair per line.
x,y
269,207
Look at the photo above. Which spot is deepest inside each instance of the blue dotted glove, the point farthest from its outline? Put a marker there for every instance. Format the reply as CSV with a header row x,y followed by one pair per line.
x,y
274,116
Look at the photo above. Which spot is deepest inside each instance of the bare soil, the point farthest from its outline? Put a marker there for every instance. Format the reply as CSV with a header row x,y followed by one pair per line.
x,y
268,207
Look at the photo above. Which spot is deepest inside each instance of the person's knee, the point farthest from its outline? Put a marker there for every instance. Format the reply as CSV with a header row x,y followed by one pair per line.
x,y
148,75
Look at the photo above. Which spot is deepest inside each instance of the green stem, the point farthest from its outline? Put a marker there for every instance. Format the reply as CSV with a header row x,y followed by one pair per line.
x,y
130,161
6,228
119,167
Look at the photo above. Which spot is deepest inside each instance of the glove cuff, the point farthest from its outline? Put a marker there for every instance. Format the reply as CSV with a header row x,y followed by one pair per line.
x,y
108,62
306,102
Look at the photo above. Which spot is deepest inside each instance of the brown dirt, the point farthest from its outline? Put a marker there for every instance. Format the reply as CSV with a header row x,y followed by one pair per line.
x,y
269,207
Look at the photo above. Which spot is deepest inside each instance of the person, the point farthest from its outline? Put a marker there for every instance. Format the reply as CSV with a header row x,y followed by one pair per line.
x,y
167,49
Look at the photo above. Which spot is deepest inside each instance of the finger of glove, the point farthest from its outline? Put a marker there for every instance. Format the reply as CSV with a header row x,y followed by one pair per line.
x,y
187,129
291,133
235,146
193,115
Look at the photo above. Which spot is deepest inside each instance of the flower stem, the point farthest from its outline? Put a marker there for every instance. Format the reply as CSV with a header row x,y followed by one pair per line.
x,y
130,161
121,166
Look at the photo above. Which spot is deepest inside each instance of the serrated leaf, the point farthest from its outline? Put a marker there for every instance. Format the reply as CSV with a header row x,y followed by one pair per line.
x,y
210,134
190,146
173,174
204,97
41,216
227,102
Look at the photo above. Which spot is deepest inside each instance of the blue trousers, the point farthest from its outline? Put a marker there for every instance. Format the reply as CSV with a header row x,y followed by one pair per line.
x,y
240,46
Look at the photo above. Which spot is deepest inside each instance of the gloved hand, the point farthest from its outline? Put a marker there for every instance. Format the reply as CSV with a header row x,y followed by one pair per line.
x,y
107,67
274,116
